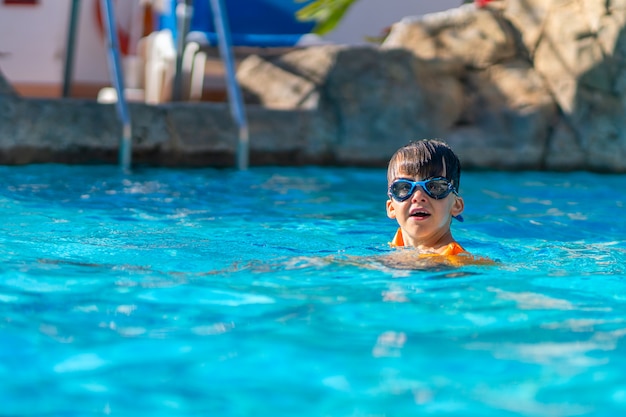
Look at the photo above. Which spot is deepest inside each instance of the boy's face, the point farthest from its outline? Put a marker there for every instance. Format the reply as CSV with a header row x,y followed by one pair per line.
x,y
424,220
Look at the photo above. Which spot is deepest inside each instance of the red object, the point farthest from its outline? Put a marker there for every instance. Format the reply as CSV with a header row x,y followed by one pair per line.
x,y
21,2
123,37
482,3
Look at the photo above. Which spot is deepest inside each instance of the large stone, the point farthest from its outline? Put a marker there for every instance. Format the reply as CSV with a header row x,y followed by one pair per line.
x,y
376,102
269,85
612,39
599,124
508,119
412,35
564,151
477,37
443,92
569,56
528,17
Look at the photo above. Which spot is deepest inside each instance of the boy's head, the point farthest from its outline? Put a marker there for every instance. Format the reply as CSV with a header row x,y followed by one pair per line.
x,y
424,159
421,203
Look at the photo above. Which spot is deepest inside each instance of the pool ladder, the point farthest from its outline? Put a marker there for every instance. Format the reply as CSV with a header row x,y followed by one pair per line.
x,y
115,70
184,13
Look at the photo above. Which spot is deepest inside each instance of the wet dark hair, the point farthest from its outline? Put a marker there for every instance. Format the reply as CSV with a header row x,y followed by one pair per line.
x,y
424,159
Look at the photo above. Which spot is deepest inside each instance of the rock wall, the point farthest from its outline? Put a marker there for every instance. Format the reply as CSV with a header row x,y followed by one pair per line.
x,y
520,84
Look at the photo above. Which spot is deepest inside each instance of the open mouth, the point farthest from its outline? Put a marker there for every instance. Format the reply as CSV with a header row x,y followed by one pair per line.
x,y
420,213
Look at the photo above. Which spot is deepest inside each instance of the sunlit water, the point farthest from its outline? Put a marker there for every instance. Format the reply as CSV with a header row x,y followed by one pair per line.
x,y
224,293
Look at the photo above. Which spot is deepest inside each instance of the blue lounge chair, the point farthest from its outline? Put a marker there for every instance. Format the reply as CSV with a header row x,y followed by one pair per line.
x,y
256,23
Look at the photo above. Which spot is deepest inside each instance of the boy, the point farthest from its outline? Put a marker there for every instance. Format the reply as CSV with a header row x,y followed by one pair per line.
x,y
423,179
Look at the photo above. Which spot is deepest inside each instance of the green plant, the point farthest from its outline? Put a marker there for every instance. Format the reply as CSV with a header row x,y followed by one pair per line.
x,y
326,13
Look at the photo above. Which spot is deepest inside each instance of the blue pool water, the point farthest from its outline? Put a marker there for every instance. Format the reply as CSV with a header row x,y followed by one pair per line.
x,y
224,293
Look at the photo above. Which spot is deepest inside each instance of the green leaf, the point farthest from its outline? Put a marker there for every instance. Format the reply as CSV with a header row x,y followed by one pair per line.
x,y
326,13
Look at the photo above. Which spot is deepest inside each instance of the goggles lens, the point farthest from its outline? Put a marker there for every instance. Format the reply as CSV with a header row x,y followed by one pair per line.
x,y
437,188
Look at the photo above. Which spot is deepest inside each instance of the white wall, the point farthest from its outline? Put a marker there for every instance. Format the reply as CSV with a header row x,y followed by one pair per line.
x,y
33,41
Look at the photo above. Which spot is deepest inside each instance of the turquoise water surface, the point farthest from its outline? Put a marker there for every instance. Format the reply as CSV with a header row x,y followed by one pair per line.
x,y
216,292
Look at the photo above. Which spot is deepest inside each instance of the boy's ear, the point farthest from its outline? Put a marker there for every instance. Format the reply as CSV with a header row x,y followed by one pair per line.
x,y
391,210
458,206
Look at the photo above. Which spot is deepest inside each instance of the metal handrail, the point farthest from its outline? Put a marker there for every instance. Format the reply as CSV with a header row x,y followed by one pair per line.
x,y
235,98
184,13
68,70
115,70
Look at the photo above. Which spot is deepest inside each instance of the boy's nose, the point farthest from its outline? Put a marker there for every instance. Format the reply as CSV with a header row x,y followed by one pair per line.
x,y
419,194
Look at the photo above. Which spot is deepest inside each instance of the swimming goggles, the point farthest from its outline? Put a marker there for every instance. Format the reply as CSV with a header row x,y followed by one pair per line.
x,y
437,188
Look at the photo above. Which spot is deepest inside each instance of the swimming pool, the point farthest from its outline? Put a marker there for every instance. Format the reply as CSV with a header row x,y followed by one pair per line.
x,y
217,292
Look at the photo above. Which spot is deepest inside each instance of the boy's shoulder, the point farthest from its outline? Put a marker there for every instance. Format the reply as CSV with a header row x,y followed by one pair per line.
x,y
452,249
